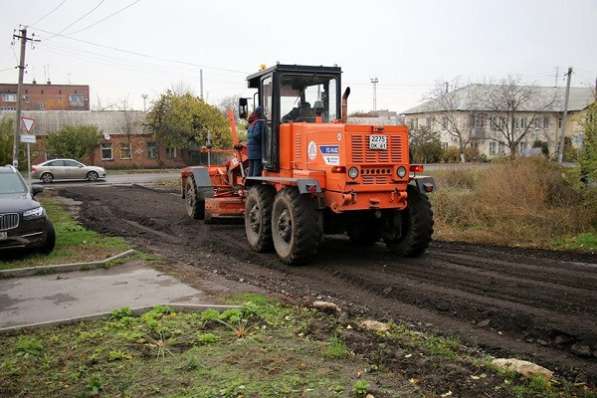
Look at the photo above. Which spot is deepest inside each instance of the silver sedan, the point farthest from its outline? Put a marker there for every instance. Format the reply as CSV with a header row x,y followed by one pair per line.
x,y
66,169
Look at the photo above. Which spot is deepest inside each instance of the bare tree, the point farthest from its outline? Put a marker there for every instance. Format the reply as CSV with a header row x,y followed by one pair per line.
x,y
182,88
448,100
229,102
514,108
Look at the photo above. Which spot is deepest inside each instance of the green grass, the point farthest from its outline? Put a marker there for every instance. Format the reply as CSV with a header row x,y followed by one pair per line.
x,y
74,242
582,242
164,353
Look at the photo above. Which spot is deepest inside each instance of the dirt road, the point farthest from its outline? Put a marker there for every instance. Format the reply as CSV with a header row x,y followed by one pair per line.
x,y
534,305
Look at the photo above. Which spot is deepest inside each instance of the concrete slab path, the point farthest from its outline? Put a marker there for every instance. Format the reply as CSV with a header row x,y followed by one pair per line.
x,y
50,297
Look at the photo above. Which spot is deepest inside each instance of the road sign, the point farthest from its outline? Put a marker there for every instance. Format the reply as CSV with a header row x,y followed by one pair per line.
x,y
27,138
27,123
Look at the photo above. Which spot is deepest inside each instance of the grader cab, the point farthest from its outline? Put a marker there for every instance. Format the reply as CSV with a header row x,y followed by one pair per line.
x,y
320,176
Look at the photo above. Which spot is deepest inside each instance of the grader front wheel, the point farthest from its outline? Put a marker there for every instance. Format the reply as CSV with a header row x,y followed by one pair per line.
x,y
258,214
296,226
409,234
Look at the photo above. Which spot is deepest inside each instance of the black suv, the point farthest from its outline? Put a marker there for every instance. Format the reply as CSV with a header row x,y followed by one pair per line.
x,y
23,222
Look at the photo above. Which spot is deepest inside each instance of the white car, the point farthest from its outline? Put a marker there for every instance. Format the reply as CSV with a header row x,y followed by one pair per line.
x,y
66,169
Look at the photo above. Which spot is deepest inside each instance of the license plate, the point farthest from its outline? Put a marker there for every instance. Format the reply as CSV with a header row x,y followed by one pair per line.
x,y
3,235
378,142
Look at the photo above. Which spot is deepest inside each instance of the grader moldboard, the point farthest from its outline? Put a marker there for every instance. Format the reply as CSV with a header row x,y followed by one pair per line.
x,y
321,175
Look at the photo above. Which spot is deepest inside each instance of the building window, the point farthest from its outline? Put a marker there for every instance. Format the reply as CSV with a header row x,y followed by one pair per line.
x,y
125,151
444,122
152,150
8,97
522,147
428,122
546,122
106,150
478,120
502,148
492,148
76,100
523,122
171,153
42,91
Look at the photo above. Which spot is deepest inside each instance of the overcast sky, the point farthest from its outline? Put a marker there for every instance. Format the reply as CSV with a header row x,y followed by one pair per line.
x,y
408,45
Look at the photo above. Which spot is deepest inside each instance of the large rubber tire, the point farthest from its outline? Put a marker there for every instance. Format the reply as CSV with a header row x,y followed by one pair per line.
x,y
258,217
364,231
297,227
92,176
47,178
416,226
50,242
194,205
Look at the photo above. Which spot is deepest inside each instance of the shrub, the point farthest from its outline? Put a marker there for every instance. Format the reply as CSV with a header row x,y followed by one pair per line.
x,y
75,142
471,154
451,155
525,201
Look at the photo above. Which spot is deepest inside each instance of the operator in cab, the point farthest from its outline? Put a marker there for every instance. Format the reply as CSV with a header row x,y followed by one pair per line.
x,y
254,140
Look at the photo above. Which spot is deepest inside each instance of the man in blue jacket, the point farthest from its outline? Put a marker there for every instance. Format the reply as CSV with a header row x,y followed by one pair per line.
x,y
254,140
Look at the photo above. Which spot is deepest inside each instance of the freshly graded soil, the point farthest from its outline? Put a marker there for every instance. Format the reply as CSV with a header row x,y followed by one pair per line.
x,y
530,304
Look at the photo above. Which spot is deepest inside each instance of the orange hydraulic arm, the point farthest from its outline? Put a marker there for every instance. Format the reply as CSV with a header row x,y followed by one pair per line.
x,y
233,129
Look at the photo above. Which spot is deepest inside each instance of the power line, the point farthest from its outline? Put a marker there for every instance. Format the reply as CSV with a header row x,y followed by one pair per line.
x,y
78,19
105,18
138,54
49,13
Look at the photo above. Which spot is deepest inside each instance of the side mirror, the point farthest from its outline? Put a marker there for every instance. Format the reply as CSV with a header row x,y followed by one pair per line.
x,y
35,189
243,108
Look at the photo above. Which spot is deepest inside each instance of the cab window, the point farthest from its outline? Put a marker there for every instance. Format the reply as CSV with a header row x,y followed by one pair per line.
x,y
304,97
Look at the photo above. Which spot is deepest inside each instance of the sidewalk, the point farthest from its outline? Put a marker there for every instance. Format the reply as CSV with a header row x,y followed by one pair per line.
x,y
59,296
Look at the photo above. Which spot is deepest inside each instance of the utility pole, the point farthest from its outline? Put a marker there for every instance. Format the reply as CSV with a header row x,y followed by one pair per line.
x,y
201,82
557,76
374,81
564,117
447,85
144,96
24,39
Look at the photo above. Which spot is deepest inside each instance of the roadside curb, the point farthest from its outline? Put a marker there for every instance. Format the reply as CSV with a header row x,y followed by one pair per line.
x,y
54,269
158,190
179,307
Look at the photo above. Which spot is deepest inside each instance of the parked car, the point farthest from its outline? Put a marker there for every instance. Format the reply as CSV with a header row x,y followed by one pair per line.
x,y
23,221
66,169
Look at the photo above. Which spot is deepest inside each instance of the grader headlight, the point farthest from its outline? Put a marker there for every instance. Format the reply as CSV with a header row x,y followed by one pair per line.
x,y
353,172
401,171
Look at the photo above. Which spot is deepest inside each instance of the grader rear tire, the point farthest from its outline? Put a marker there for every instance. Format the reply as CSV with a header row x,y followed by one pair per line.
x,y
194,204
297,228
258,216
416,226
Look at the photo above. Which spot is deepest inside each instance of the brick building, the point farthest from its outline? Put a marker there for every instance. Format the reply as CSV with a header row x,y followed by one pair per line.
x,y
40,97
126,143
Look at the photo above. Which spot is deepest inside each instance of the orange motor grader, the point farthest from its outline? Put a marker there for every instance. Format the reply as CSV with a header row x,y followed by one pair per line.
x,y
320,176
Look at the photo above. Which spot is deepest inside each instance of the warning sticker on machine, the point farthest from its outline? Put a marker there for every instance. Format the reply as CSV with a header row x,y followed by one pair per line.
x,y
330,154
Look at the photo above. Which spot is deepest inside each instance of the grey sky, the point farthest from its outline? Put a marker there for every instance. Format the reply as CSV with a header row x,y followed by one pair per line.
x,y
408,45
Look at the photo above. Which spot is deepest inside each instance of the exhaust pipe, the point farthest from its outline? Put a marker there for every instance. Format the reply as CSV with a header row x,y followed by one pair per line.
x,y
344,105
